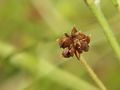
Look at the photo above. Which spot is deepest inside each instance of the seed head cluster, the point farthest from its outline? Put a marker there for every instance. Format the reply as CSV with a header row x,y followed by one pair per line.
x,y
74,44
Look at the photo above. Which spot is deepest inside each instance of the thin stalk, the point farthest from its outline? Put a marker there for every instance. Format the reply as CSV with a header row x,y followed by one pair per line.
x,y
95,8
92,74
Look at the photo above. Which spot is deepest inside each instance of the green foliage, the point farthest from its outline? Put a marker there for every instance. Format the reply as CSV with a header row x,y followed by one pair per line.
x,y
28,47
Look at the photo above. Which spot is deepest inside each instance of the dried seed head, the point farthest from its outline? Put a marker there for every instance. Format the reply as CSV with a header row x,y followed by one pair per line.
x,y
74,31
64,42
66,53
88,39
74,44
84,46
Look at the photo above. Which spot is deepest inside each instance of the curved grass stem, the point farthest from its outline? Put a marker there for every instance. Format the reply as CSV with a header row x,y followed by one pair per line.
x,y
92,74
95,8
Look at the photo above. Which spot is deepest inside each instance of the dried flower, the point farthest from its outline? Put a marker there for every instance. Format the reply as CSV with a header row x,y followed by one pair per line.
x,y
74,44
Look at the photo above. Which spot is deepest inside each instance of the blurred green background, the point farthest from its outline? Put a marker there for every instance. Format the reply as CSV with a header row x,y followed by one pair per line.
x,y
30,58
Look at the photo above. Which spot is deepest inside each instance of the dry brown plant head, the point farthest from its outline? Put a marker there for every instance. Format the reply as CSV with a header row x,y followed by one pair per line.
x,y
74,44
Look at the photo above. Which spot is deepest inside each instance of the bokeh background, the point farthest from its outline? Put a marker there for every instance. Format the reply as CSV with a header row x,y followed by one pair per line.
x,y
30,58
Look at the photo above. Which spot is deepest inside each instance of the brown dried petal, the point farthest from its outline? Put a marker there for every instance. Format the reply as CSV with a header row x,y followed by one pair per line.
x,y
81,36
84,46
88,39
67,35
77,54
72,50
66,53
64,42
74,44
79,49
74,30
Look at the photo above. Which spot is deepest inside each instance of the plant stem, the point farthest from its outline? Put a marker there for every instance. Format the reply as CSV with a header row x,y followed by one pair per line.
x,y
95,8
92,74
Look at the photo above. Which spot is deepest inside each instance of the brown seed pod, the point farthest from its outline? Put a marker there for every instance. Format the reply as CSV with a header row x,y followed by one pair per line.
x,y
64,42
88,39
74,44
67,53
74,31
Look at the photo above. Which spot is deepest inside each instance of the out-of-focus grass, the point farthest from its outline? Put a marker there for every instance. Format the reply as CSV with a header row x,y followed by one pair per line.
x,y
26,24
41,68
96,9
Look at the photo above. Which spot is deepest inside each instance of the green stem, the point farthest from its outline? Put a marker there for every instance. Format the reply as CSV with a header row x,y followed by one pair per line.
x,y
92,74
95,8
